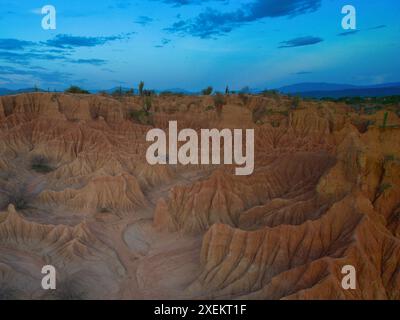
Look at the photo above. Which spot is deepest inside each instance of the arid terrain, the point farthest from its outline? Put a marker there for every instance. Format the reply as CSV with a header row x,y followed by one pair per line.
x,y
76,192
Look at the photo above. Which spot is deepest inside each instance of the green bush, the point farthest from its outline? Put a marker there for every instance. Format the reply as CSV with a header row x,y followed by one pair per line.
x,y
141,116
76,90
41,164
207,91
209,108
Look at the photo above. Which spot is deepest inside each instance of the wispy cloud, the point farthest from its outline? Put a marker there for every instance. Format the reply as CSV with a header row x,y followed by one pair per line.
x,y
15,44
300,42
348,33
65,41
144,20
94,62
353,32
301,73
164,42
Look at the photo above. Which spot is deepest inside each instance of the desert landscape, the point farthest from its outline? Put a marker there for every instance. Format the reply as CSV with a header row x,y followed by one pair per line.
x,y
77,193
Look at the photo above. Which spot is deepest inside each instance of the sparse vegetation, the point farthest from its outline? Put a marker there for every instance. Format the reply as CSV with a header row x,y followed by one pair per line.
x,y
118,93
209,108
130,92
258,113
76,90
296,102
390,157
383,187
41,164
207,91
270,93
219,102
385,118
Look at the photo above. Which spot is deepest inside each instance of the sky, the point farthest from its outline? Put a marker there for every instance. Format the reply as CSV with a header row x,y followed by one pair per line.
x,y
190,44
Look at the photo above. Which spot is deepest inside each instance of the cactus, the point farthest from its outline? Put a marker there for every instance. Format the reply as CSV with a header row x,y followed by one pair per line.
x,y
141,87
385,118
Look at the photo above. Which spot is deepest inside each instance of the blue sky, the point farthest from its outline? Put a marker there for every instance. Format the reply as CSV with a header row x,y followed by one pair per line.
x,y
190,44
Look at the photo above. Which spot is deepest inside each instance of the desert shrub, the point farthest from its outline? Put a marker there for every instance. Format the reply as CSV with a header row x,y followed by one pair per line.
x,y
166,94
383,187
296,102
209,108
219,102
76,90
141,116
41,164
390,157
275,124
207,91
258,113
270,93
118,93
147,103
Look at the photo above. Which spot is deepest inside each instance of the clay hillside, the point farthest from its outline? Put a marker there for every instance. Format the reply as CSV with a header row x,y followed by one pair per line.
x,y
77,192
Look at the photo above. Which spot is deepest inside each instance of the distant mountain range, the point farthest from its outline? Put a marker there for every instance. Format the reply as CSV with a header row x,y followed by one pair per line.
x,y
306,90
334,90
5,92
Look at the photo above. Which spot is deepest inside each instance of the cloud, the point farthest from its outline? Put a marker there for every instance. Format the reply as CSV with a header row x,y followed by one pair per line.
x,y
25,57
348,33
300,73
14,44
179,3
164,42
378,27
121,4
352,32
65,41
211,22
144,20
301,42
94,62
36,73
